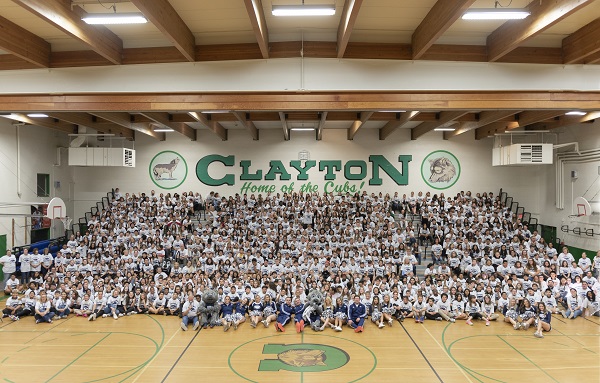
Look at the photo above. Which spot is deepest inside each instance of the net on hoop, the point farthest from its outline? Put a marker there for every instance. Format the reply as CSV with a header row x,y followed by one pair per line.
x,y
66,222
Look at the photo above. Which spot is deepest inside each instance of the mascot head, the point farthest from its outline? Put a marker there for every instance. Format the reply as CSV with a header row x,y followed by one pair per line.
x,y
315,297
442,170
210,297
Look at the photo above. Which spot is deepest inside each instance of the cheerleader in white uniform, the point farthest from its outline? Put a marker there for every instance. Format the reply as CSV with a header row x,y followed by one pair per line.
x,y
340,314
387,310
255,311
269,312
327,316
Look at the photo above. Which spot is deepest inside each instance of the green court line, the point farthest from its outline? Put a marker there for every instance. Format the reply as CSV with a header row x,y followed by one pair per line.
x,y
50,329
4,360
9,381
587,349
576,341
79,357
529,360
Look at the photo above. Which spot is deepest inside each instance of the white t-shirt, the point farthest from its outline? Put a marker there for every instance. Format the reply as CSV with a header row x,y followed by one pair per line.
x,y
25,260
9,264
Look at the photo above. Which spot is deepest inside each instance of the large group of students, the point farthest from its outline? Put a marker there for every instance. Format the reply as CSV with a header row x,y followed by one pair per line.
x,y
263,254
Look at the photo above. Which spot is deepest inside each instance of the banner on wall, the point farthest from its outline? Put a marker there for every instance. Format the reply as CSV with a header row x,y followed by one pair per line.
x,y
168,170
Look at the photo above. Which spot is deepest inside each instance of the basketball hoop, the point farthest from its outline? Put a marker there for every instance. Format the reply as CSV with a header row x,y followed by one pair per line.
x,y
66,222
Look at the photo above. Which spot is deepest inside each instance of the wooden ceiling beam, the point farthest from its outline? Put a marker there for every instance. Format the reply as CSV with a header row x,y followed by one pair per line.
x,y
321,125
347,21
582,43
284,125
87,120
357,124
59,14
243,118
164,118
393,125
164,17
24,44
485,118
213,126
259,25
441,17
426,127
563,121
523,119
44,122
124,119
544,14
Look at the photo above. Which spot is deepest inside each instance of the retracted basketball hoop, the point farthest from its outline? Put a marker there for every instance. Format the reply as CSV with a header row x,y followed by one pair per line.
x,y
58,210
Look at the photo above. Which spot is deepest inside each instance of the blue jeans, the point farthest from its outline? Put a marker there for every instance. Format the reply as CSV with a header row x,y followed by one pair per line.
x,y
575,313
186,319
46,318
353,323
108,310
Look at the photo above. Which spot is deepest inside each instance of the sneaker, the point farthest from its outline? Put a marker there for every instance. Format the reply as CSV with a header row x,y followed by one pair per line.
x,y
537,335
338,329
253,324
381,325
128,314
525,326
438,319
390,323
516,326
401,319
487,322
77,315
115,316
265,323
49,320
360,329
133,312
452,320
564,314
120,315
322,328
37,321
104,315
226,326
85,315
196,326
469,323
91,318
183,326
235,326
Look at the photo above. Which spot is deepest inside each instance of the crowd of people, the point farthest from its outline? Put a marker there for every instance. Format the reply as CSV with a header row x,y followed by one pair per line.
x,y
263,255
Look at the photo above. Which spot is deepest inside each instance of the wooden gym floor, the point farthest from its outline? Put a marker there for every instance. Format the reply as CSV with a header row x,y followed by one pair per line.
x,y
146,348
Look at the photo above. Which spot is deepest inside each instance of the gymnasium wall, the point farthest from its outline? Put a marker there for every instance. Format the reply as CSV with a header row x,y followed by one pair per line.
x,y
474,158
38,155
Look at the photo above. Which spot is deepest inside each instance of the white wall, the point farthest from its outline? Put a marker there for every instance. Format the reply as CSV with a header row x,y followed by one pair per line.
x,y
477,173
38,155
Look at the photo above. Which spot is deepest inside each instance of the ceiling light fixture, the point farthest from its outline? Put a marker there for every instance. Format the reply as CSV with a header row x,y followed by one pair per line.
x,y
392,111
303,10
302,129
37,115
444,129
114,18
163,130
576,113
495,14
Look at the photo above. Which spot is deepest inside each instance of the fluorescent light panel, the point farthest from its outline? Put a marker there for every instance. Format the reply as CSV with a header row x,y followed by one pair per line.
x,y
392,111
303,10
163,130
444,129
576,113
37,115
114,18
302,129
495,14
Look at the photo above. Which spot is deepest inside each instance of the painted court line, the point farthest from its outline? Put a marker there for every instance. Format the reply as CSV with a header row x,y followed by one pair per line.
x,y
422,354
141,372
180,356
79,357
453,361
529,360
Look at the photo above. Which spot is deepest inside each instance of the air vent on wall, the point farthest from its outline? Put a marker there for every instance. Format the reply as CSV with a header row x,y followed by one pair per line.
x,y
522,154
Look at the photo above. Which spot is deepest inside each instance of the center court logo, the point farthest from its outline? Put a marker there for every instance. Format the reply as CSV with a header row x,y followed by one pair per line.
x,y
303,357
315,357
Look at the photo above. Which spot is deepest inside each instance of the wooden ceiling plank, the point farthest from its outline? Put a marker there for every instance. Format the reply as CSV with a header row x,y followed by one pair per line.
x,y
544,14
241,116
259,25
357,124
59,14
582,43
164,118
523,119
87,120
124,119
564,121
485,118
24,44
392,125
284,125
347,21
321,125
45,122
213,126
441,17
164,17
426,127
